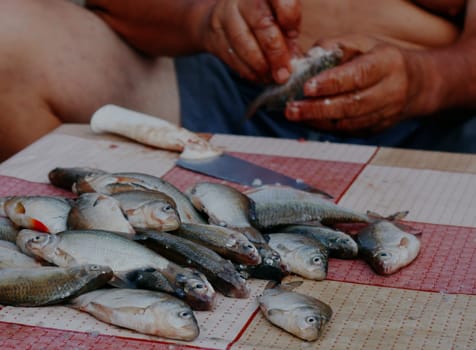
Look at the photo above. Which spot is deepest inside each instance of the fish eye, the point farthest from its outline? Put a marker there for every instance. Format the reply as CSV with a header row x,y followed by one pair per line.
x,y
167,208
198,286
38,239
311,319
383,254
316,260
95,267
185,314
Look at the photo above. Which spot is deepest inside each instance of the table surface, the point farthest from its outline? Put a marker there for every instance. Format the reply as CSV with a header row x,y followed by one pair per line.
x,y
431,304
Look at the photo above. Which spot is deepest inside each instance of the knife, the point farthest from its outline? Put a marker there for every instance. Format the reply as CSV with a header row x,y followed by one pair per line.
x,y
196,153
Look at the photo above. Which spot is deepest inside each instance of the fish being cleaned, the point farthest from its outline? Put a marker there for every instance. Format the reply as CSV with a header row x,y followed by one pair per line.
x,y
340,244
275,97
284,205
144,311
197,154
299,314
149,210
220,272
96,211
226,206
385,246
120,182
38,286
42,213
302,255
230,244
122,255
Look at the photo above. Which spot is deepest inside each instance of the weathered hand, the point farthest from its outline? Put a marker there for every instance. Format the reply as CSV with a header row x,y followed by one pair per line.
x,y
254,36
367,93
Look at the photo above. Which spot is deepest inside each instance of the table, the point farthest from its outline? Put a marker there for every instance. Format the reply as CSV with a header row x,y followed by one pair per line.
x,y
431,304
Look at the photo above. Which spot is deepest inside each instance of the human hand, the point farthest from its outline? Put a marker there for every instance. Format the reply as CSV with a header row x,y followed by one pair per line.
x,y
254,37
370,91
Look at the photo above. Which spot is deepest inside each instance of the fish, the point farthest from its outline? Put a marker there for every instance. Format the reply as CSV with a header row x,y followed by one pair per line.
x,y
385,246
10,256
300,315
227,207
120,182
42,213
95,211
2,206
65,178
230,244
220,272
39,286
149,210
340,244
8,230
122,255
303,256
277,205
148,312
303,68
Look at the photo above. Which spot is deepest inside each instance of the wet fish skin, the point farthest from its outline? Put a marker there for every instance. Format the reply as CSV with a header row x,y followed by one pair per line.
x,y
219,271
226,206
149,210
230,244
277,205
95,211
299,314
386,247
276,97
148,312
40,286
340,244
126,181
8,230
42,213
304,256
122,255
66,177
11,257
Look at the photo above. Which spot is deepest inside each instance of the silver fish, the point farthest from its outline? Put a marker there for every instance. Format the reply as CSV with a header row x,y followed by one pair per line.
x,y
340,244
42,213
119,182
148,312
122,255
226,206
304,68
149,210
49,285
220,272
230,244
66,177
10,256
8,230
302,255
2,206
95,211
299,314
277,205
386,247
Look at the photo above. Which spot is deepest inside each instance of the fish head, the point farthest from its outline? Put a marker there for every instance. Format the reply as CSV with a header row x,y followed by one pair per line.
x,y
175,320
307,323
250,251
159,215
30,240
99,272
310,263
386,260
197,290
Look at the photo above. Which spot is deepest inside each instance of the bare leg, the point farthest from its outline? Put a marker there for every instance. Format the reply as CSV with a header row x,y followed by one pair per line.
x,y
59,63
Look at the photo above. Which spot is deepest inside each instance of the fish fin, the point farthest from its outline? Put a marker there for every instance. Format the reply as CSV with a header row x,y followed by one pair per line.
x,y
399,215
404,242
121,281
106,313
130,310
409,229
270,312
271,285
289,286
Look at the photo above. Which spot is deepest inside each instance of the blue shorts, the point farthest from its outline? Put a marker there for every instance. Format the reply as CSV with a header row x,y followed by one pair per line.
x,y
214,99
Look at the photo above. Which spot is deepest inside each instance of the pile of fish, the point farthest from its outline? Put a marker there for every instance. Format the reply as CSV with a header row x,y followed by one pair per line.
x,y
134,251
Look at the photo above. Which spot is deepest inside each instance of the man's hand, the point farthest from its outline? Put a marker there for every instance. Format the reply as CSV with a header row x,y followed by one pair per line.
x,y
367,93
254,37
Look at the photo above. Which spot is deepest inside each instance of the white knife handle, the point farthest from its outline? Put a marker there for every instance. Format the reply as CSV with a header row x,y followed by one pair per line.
x,y
151,131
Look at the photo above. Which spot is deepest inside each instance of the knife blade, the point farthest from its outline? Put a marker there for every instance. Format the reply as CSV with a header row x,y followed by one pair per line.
x,y
197,154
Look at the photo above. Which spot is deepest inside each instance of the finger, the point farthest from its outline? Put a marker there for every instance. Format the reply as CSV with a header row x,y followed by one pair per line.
x,y
288,14
349,105
359,73
270,39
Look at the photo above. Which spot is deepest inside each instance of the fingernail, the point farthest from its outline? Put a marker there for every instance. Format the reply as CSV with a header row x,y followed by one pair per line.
x,y
292,112
282,75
